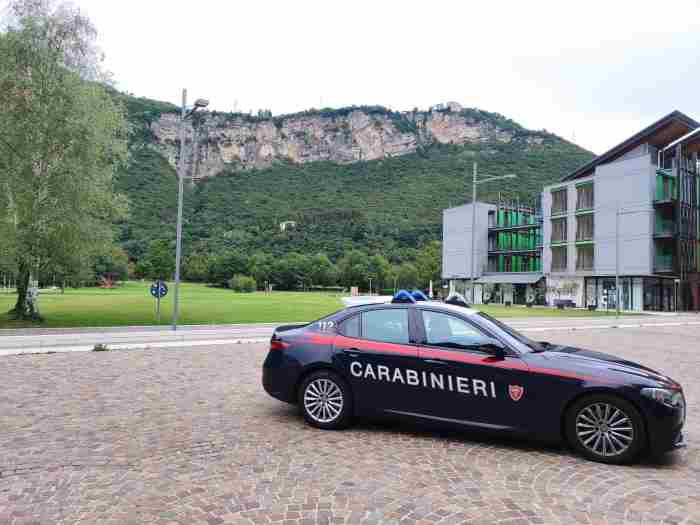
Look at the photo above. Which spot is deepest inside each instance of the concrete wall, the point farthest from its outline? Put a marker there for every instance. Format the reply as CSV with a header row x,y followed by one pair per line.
x,y
628,184
456,240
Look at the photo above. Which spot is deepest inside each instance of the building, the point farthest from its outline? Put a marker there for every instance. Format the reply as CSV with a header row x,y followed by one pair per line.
x,y
633,212
507,248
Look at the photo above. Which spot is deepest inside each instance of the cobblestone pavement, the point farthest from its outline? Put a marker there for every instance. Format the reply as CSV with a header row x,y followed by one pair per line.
x,y
188,436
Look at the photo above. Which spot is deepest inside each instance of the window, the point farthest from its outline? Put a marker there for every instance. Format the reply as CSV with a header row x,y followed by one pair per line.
x,y
559,260
351,327
584,197
584,227
559,230
559,202
390,325
449,331
584,257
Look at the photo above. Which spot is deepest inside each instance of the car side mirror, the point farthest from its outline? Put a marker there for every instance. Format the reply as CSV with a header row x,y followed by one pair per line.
x,y
493,347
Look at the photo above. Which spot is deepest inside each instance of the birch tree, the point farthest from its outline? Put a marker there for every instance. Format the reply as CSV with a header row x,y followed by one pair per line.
x,y
61,139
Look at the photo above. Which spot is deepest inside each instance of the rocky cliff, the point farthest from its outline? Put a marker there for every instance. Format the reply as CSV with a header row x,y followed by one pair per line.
x,y
235,141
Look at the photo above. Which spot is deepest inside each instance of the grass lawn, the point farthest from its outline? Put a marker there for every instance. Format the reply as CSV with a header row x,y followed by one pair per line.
x,y
131,304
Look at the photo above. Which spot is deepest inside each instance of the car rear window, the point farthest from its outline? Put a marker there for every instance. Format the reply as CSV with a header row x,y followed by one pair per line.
x,y
351,327
389,325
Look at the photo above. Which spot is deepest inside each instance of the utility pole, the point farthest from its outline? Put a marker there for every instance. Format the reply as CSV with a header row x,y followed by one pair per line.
x,y
617,261
180,190
199,103
474,171
476,182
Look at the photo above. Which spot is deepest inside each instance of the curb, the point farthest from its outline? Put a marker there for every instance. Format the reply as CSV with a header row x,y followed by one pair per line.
x,y
129,346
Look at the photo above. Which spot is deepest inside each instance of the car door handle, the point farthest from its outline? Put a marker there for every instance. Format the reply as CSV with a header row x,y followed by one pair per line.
x,y
352,352
436,362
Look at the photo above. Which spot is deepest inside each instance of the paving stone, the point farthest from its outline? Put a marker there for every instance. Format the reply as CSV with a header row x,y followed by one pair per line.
x,y
188,436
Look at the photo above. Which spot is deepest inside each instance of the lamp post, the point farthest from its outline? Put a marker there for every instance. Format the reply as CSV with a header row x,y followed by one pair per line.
x,y
184,115
475,183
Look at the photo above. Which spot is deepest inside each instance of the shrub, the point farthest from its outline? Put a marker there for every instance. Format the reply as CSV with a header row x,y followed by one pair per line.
x,y
242,283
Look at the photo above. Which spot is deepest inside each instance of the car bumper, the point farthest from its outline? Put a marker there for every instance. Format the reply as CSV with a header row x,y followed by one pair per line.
x,y
665,428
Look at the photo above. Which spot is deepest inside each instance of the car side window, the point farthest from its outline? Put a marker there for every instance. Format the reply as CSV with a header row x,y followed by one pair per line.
x,y
351,326
450,331
390,325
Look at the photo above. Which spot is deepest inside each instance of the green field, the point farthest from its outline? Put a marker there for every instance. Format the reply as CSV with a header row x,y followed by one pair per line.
x,y
131,304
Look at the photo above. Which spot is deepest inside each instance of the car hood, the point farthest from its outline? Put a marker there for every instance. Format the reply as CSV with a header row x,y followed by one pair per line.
x,y
577,359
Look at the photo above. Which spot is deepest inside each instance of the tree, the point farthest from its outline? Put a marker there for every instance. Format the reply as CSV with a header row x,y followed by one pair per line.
x,y
223,267
260,266
195,268
407,275
353,269
242,283
429,264
292,271
112,266
379,269
61,139
322,271
159,262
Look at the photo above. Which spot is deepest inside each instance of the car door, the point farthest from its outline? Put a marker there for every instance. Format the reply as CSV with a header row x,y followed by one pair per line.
x,y
468,384
376,349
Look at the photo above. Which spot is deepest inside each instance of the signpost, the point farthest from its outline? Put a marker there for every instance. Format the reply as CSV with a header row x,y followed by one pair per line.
x,y
159,290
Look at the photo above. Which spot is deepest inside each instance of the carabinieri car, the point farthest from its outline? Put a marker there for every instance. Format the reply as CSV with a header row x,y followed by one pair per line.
x,y
451,364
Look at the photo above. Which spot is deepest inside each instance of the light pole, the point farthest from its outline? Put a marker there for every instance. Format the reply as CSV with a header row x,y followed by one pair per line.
x,y
199,103
475,183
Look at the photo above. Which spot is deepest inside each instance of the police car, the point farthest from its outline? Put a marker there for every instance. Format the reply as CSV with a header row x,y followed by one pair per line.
x,y
448,363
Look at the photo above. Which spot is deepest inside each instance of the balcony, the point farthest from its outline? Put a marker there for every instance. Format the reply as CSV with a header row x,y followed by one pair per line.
x,y
666,188
664,264
665,230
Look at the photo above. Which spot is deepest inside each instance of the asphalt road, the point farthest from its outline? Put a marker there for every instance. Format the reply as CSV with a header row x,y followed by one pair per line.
x,y
188,436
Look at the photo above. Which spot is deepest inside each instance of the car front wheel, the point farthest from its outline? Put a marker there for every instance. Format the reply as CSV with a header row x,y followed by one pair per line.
x,y
606,429
325,400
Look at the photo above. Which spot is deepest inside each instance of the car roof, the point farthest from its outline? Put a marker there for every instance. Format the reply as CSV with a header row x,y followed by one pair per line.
x,y
433,305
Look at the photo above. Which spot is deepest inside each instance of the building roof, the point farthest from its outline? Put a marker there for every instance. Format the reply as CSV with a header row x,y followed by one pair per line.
x,y
660,133
688,137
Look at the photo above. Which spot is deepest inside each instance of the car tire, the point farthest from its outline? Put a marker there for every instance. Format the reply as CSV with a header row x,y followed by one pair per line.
x,y
606,429
326,400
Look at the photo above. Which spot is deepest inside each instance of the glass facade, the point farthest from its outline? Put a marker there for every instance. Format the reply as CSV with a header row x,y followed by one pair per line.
x,y
636,293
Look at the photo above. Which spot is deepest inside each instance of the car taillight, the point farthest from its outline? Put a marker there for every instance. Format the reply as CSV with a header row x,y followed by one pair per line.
x,y
276,344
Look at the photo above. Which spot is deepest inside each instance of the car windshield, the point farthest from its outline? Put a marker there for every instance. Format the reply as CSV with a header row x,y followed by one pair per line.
x,y
534,346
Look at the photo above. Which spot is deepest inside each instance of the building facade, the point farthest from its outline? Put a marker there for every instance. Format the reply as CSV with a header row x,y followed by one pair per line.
x,y
631,215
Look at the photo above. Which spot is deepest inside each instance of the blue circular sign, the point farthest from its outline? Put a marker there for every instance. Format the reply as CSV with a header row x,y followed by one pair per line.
x,y
159,290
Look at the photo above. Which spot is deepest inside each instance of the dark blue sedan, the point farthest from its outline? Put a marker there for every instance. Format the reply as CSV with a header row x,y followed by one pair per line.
x,y
450,364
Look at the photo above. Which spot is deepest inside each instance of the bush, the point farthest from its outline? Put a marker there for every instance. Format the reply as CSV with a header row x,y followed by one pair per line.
x,y
242,283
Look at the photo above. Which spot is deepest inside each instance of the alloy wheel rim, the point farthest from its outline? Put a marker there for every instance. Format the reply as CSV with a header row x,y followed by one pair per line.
x,y
604,429
323,400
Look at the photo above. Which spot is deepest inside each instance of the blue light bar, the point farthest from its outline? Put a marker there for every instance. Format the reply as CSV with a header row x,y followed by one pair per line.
x,y
403,296
419,296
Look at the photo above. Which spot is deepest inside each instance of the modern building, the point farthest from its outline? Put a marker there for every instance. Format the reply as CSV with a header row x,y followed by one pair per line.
x,y
507,248
632,212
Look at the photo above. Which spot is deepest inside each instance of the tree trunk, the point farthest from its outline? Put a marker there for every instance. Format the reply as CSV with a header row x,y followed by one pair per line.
x,y
24,309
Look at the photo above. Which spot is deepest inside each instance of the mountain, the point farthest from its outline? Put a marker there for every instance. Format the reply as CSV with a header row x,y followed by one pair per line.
x,y
358,177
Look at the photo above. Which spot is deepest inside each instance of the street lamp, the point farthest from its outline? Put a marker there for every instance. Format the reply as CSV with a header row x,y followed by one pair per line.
x,y
476,182
200,103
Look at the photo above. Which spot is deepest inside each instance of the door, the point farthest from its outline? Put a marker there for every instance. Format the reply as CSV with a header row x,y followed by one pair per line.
x,y
467,383
379,355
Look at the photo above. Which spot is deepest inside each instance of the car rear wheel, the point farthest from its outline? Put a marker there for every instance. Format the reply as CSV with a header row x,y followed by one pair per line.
x,y
325,400
606,429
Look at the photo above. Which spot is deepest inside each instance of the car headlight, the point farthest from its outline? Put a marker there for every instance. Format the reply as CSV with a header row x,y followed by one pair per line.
x,y
665,396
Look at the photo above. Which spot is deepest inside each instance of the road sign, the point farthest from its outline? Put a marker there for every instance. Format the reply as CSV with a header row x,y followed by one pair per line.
x,y
159,290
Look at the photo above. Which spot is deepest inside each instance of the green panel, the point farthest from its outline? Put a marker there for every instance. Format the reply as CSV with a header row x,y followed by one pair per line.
x,y
501,263
659,187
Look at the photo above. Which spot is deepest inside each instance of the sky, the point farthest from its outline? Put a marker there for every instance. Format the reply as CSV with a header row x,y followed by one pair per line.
x,y
593,72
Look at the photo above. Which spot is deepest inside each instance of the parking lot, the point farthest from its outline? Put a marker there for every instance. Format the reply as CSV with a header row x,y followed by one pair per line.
x,y
188,436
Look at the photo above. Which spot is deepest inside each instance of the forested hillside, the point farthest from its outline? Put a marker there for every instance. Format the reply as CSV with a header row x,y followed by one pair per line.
x,y
390,206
